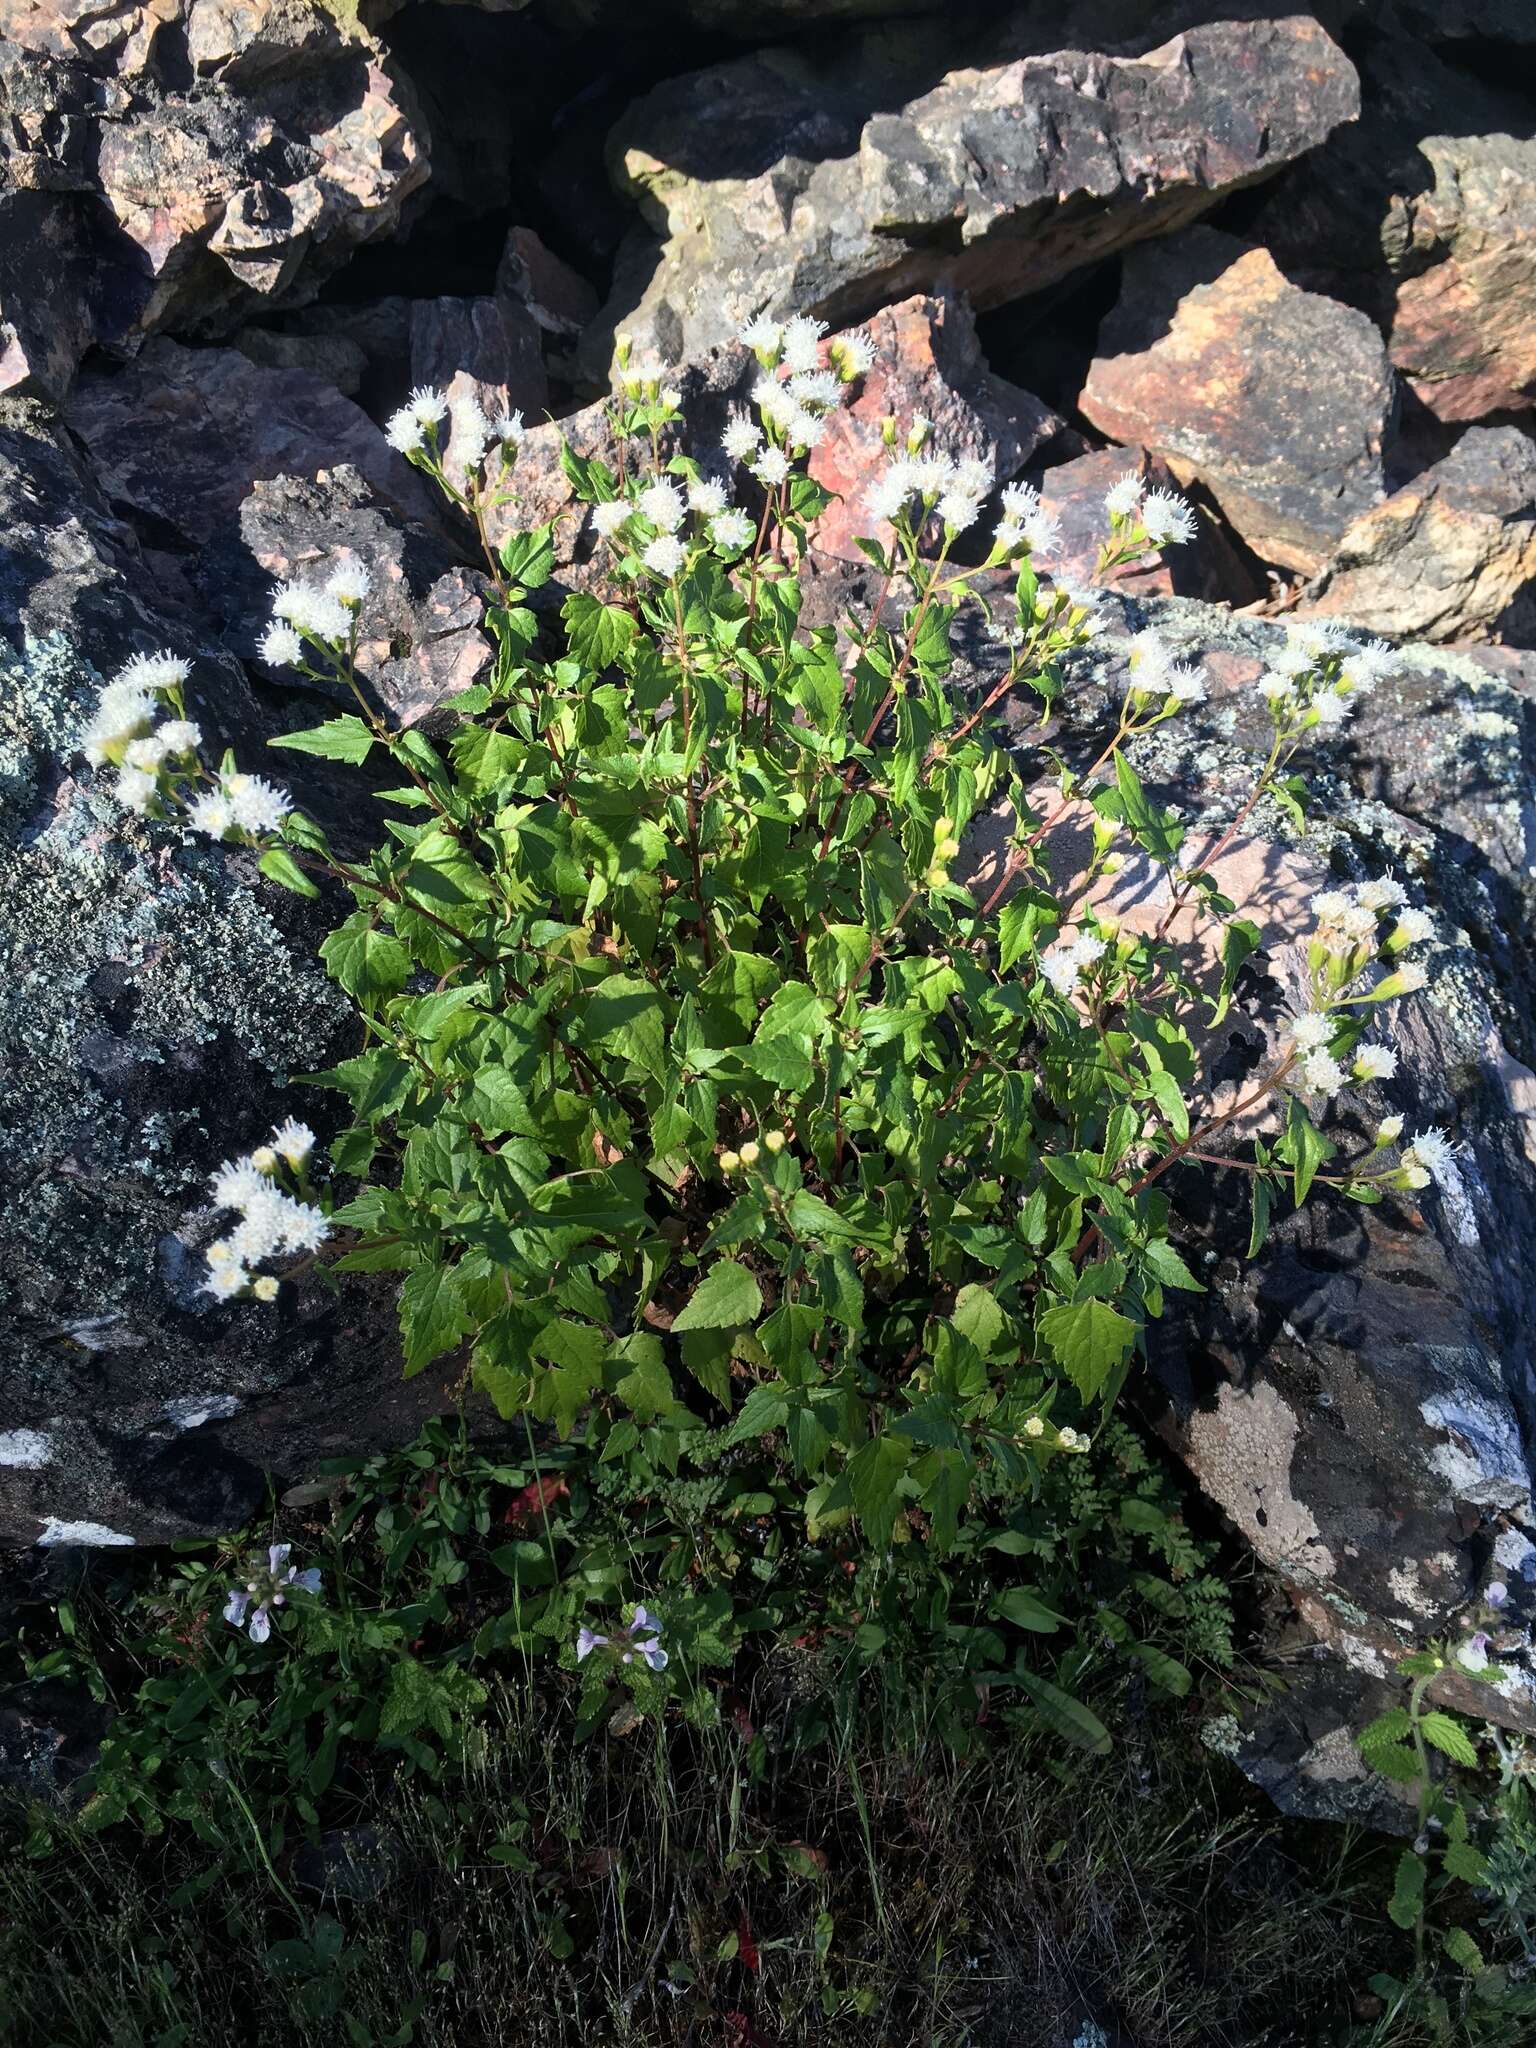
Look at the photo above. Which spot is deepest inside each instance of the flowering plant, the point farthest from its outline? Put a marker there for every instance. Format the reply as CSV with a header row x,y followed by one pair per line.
x,y
702,1098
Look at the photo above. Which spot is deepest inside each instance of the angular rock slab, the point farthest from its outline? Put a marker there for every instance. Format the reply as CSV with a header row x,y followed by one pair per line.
x,y
1278,400
927,363
1424,215
1359,1399
173,160
786,184
1452,555
157,996
1208,566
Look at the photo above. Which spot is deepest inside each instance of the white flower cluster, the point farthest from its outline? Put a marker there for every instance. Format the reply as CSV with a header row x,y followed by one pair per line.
x,y
414,431
1349,921
1063,963
325,613
1318,674
240,803
150,757
1349,937
1159,517
1431,1157
272,1221
796,394
665,505
1155,673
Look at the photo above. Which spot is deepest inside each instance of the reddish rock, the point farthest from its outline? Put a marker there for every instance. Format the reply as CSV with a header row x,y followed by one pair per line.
x,y
148,202
1278,400
1208,566
928,363
1451,556
559,298
179,436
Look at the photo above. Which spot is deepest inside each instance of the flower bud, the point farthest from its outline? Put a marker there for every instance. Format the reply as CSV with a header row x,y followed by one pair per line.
x,y
775,1141
264,1159
749,1152
264,1287
730,1162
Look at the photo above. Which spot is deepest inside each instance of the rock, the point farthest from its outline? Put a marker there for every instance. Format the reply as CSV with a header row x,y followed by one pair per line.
x,y
927,363
559,298
785,182
1451,556
179,436
487,348
157,997
1298,1744
1453,21
174,161
1424,215
1208,567
421,641
1359,1398
1278,400
361,1863
50,1737
330,357
381,329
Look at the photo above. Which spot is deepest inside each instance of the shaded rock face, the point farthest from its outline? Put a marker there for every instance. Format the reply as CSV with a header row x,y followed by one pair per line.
x,y
173,160
1361,1399
783,185
1452,555
1424,215
157,998
1278,400
1208,567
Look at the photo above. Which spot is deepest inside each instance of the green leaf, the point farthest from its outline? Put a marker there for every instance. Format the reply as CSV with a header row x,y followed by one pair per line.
x,y
1303,1147
339,739
1169,1098
1156,830
627,1014
1407,1900
783,1061
529,558
728,1297
366,961
1261,1207
590,478
874,1479
1161,1259
1025,1610
1449,1737
1088,1339
596,633
279,865
1163,1670
1068,1717
433,1315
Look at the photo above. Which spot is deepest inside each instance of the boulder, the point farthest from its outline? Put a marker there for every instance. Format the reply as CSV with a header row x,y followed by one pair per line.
x,y
833,183
158,996
1359,1398
927,363
1277,400
1450,556
177,161
1424,215
559,298
486,348
1209,566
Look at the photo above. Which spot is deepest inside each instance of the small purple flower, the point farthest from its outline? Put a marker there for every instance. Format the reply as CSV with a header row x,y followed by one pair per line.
x,y
268,1589
639,1639
1496,1593
587,1642
1473,1654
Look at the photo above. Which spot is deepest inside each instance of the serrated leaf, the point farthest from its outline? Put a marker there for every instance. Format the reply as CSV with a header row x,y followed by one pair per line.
x,y
1449,1737
874,1479
728,1297
1089,1340
339,739
783,1061
1407,1900
364,960
596,633
279,866
529,558
433,1315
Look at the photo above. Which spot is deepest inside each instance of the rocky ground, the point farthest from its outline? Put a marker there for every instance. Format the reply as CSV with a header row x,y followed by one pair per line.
x,y
1286,259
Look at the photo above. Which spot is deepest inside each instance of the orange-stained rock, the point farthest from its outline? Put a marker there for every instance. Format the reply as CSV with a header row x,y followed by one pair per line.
x,y
1451,556
1278,400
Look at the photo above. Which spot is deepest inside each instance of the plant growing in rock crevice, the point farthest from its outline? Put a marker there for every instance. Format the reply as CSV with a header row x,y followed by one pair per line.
x,y
700,1101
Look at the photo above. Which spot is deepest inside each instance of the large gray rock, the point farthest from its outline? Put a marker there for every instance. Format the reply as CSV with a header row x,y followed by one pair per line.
x,y
1359,1400
833,184
171,161
157,998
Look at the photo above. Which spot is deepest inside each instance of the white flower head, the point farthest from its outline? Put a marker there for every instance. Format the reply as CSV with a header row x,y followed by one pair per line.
x,y
1042,529
774,401
305,1228
706,497
293,1141
225,1282
1186,682
309,609
1332,708
281,647
762,334
805,429
1313,1028
1149,661
853,353
610,515
819,388
958,510
1008,535
732,529
1166,518
349,583
1413,927
211,813
429,406
1276,689
742,437
157,672
470,432
1384,893
1389,1130
180,737
237,1183
1375,1063
256,805
771,467
887,499
509,428
404,431
1329,905
1124,495
663,504
1362,668
1412,978
1321,1073
801,341
135,789
147,754
1019,501
665,555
